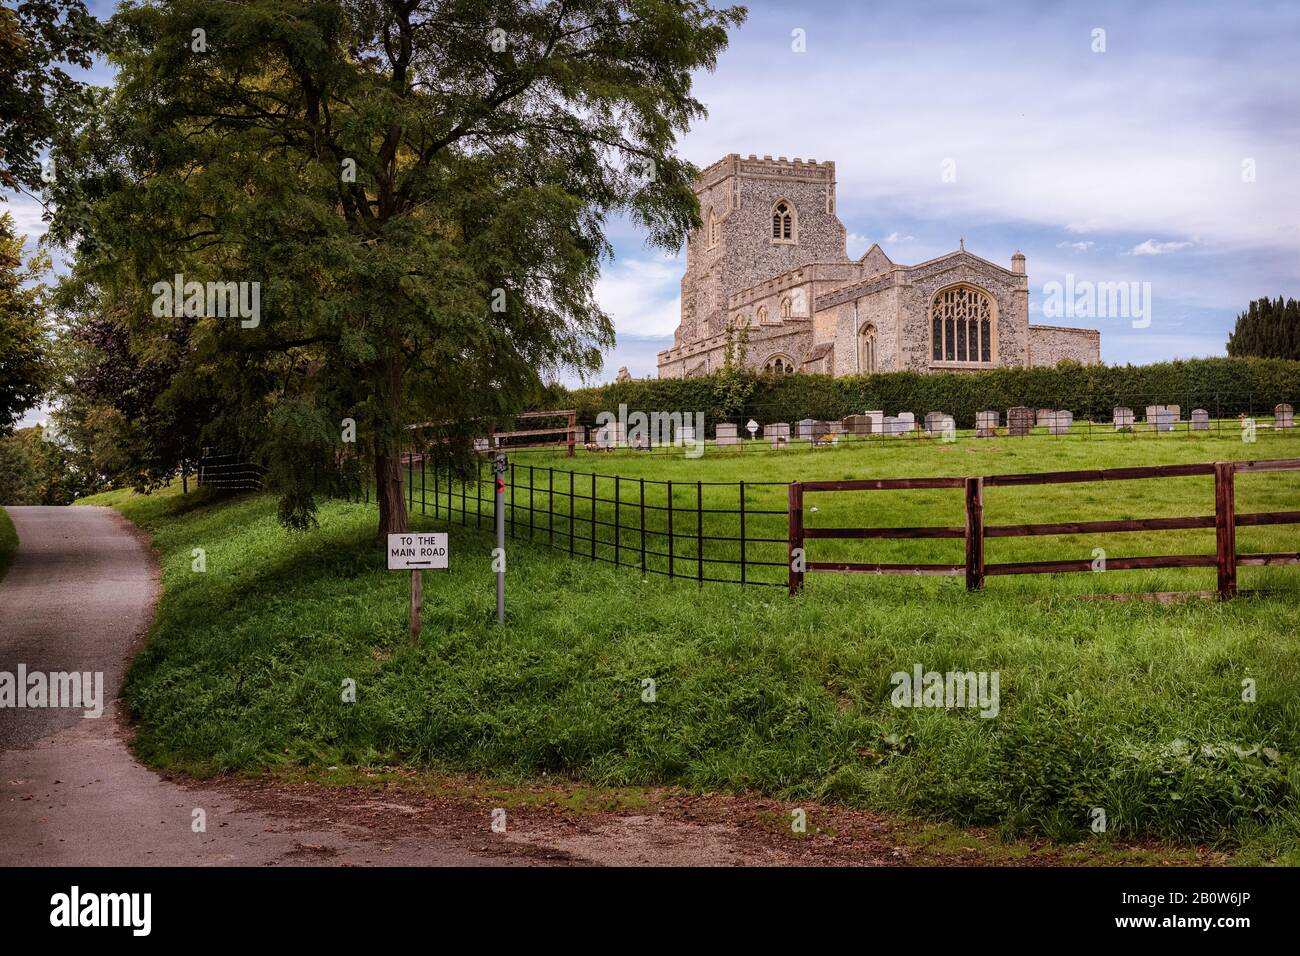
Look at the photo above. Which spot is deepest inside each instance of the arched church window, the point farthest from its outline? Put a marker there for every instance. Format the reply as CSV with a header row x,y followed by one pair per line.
x,y
961,326
783,224
867,349
762,314
779,365
785,307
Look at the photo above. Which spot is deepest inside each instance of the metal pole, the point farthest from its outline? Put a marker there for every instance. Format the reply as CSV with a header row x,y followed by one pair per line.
x,y
499,466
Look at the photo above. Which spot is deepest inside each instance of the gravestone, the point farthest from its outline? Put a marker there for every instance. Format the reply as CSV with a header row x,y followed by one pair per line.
x,y
1060,422
778,433
611,435
1162,417
1283,417
857,425
1043,416
986,424
908,421
934,422
725,434
686,433
877,421
640,440
804,429
774,429
1200,420
1019,420
894,425
1123,418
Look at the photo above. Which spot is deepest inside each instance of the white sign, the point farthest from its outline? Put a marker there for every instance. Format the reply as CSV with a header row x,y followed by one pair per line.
x,y
412,551
752,426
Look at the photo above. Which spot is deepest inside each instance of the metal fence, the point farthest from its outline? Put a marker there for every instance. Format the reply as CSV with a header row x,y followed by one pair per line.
x,y
229,472
694,530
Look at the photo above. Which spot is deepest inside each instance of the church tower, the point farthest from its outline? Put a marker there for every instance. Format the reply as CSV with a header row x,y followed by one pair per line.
x,y
760,217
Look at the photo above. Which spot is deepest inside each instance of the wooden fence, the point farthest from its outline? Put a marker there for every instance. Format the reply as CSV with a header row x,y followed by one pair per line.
x,y
1224,521
534,435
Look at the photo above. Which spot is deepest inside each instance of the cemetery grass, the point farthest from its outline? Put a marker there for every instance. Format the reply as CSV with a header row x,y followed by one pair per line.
x,y
1135,708
8,542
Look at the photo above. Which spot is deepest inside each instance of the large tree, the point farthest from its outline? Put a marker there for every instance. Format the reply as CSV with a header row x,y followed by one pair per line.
x,y
419,187
1268,329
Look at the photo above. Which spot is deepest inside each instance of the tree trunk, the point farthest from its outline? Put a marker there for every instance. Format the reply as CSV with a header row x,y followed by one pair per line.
x,y
388,452
388,491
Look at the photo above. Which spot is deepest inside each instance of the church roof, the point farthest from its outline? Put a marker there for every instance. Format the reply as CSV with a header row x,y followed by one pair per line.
x,y
818,352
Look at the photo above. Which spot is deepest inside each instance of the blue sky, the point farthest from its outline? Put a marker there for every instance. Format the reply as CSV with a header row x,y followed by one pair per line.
x,y
1123,165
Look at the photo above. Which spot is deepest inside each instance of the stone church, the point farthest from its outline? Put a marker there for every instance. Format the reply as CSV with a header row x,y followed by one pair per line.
x,y
771,255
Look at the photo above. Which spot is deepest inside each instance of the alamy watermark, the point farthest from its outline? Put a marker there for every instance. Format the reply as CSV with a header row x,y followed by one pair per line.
x,y
75,908
213,300
923,688
76,690
1082,299
642,430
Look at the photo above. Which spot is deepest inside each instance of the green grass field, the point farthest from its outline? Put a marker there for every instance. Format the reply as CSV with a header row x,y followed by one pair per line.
x,y
8,542
1133,707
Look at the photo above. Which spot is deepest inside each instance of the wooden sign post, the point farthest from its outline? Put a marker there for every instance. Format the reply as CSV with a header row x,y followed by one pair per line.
x,y
413,551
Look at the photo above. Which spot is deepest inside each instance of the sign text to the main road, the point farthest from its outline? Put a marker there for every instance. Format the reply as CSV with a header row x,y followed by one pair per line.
x,y
412,552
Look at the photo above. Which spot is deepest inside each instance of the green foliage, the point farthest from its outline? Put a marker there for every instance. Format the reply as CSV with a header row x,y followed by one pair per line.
x,y
1225,387
1267,328
8,542
25,366
733,384
38,99
36,471
424,211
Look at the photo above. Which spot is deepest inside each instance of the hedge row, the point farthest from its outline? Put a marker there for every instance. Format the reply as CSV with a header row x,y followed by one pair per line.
x,y
1226,387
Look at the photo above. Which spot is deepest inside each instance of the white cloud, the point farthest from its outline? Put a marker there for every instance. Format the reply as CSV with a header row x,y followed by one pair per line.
x,y
1108,144
642,295
1076,246
897,238
1153,248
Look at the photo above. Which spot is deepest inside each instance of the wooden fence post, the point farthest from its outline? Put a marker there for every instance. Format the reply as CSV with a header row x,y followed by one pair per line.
x,y
1225,527
573,431
974,534
796,536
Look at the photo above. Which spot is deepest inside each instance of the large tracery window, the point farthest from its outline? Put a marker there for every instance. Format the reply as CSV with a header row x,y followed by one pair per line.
x,y
961,326
783,221
779,365
867,349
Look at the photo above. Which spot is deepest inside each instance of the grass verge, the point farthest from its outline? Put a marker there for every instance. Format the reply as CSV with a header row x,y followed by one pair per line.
x,y
1181,722
8,542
